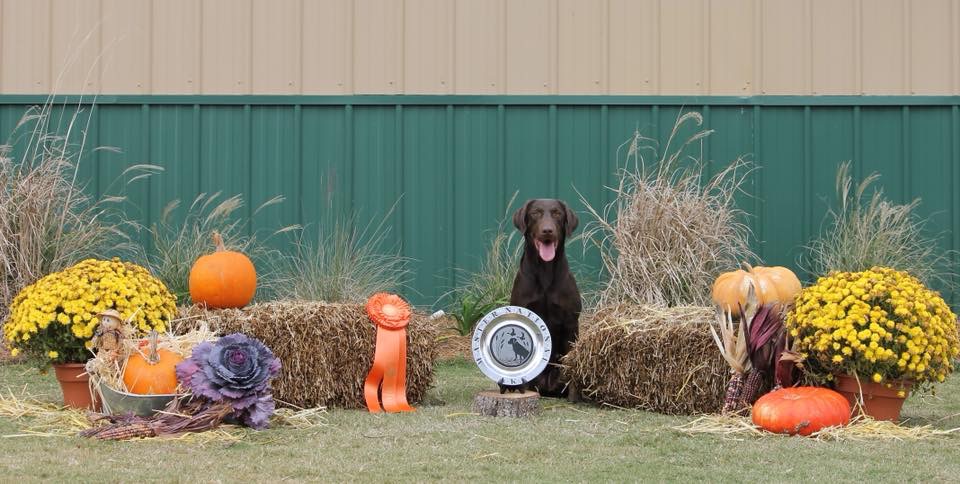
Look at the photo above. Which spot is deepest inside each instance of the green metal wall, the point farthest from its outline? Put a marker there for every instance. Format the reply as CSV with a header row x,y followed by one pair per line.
x,y
454,161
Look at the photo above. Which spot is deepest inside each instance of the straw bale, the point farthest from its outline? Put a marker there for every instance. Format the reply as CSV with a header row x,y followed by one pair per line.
x,y
653,358
326,349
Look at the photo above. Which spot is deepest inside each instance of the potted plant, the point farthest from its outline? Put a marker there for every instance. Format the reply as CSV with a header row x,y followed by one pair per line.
x,y
53,320
877,334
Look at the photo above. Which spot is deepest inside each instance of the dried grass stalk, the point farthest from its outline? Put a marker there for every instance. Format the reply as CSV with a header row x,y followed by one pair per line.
x,y
654,358
47,221
868,230
860,429
326,349
668,233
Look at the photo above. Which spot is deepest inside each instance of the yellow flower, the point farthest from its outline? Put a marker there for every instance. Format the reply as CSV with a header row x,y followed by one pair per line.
x,y
59,310
14,351
880,321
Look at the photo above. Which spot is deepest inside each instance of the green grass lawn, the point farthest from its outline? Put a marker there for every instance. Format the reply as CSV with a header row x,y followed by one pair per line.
x,y
443,441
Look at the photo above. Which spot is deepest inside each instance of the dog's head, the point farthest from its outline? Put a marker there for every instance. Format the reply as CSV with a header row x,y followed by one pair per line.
x,y
545,223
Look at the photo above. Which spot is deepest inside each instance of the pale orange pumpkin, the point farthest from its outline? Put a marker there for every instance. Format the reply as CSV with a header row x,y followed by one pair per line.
x,y
223,279
154,373
772,284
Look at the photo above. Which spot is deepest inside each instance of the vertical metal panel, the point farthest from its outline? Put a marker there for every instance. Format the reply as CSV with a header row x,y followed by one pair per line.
x,y
25,45
378,49
276,46
528,62
328,47
884,46
634,46
480,33
582,50
453,165
74,47
226,47
682,56
428,46
731,47
932,55
784,41
126,62
834,46
481,46
176,46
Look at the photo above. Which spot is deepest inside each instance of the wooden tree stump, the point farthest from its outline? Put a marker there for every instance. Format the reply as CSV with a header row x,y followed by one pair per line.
x,y
495,404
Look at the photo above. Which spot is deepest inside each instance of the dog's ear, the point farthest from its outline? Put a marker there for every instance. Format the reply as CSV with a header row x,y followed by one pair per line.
x,y
520,217
571,221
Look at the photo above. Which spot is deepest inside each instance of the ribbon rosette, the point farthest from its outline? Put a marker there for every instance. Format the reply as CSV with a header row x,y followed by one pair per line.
x,y
388,376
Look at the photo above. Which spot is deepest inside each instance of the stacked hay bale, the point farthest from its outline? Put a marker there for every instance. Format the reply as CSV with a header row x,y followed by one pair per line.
x,y
326,349
653,358
665,237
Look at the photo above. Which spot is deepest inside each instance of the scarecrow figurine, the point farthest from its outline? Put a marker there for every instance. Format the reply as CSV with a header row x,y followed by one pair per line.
x,y
110,332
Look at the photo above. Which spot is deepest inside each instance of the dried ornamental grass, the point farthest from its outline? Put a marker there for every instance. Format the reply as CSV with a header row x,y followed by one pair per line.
x,y
45,419
652,358
326,349
860,428
668,233
868,230
47,221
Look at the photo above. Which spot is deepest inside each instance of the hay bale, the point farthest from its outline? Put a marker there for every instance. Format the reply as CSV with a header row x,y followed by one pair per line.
x,y
658,359
326,349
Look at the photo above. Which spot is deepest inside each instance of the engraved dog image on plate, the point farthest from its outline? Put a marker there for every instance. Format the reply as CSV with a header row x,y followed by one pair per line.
x,y
511,346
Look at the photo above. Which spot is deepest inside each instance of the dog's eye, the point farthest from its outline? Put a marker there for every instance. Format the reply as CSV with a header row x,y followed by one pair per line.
x,y
555,213
537,213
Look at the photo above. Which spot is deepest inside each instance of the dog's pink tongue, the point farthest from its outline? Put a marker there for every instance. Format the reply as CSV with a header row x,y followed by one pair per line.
x,y
547,250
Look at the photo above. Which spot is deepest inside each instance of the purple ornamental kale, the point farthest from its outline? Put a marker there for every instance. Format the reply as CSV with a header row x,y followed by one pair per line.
x,y
236,369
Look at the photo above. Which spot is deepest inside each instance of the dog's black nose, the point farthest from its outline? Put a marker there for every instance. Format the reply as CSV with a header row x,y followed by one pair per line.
x,y
547,231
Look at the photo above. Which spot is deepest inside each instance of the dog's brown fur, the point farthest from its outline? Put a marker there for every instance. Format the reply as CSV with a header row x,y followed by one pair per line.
x,y
548,287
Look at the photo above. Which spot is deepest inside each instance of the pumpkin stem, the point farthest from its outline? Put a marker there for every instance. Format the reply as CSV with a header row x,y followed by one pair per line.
x,y
218,241
153,357
747,266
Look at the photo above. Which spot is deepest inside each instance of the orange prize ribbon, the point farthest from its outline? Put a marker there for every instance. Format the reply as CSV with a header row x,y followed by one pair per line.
x,y
388,376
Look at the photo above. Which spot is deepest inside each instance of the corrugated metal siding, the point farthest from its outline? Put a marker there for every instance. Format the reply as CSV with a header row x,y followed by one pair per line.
x,y
644,47
453,162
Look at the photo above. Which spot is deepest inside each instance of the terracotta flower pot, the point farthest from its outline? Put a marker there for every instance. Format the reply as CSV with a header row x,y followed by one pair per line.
x,y
74,382
879,402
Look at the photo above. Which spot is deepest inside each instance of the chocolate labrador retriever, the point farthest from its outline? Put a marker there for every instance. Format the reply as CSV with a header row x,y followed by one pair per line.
x,y
545,285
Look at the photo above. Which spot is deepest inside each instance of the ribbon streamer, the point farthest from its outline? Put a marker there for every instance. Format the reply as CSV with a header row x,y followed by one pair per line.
x,y
387,380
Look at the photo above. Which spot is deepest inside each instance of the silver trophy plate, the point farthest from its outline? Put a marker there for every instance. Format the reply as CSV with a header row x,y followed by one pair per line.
x,y
511,345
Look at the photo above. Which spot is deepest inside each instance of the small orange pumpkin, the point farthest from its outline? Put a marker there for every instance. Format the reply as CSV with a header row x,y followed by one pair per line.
x,y
801,410
223,279
773,285
153,374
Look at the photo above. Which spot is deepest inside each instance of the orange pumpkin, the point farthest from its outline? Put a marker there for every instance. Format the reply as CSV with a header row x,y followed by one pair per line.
x,y
773,285
801,410
223,279
154,373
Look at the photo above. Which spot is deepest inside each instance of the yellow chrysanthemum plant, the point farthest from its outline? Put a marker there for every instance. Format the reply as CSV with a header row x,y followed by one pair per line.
x,y
881,324
53,320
